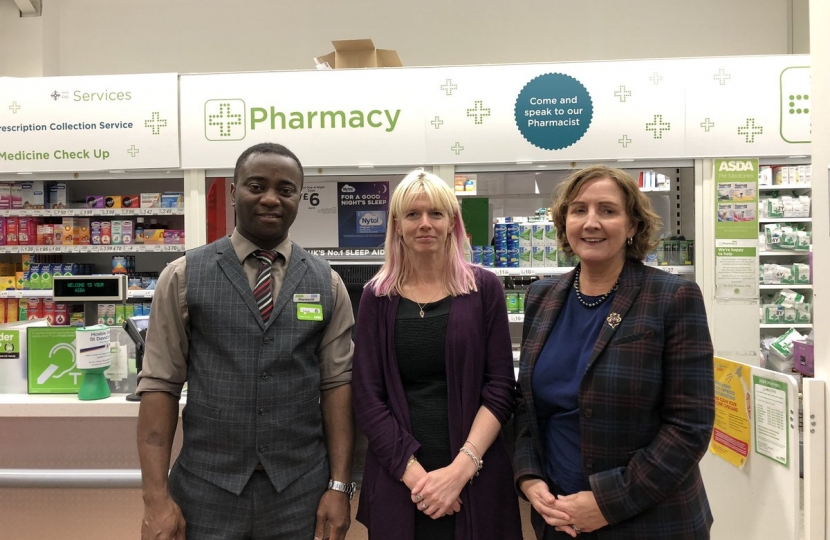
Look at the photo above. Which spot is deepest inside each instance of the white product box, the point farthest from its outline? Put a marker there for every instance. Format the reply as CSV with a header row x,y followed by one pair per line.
x,y
57,195
538,256
525,236
150,200
551,253
550,236
32,194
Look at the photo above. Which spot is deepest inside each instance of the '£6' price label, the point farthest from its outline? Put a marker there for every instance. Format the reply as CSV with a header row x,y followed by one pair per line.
x,y
313,198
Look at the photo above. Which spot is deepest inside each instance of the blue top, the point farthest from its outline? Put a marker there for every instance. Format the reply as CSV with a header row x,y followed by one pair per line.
x,y
556,379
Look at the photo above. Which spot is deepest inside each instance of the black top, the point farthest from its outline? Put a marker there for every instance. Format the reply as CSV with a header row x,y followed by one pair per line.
x,y
420,350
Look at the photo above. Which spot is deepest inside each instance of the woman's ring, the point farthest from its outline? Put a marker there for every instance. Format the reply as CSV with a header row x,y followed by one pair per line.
x,y
419,497
576,529
424,506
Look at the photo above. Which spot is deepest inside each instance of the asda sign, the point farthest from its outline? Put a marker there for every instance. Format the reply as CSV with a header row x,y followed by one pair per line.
x,y
231,119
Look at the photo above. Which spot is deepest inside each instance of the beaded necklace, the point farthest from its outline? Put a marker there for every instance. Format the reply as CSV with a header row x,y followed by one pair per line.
x,y
599,300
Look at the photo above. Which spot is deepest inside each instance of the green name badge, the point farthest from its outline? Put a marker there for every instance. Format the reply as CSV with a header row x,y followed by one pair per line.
x,y
309,312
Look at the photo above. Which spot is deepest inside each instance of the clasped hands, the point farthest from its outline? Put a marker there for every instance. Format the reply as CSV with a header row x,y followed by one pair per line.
x,y
437,493
571,514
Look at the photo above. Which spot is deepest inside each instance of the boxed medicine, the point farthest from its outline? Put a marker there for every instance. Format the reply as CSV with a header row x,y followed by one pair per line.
x,y
17,195
150,200
57,195
130,201
5,196
33,194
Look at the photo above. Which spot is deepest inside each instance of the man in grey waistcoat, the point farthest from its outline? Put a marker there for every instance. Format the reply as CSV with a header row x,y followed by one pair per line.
x,y
261,332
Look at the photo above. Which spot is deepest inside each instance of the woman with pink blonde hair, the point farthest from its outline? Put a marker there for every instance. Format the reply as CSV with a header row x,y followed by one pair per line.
x,y
433,380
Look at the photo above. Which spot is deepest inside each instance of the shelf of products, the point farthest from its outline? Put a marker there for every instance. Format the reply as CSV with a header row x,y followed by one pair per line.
x,y
787,326
786,220
141,294
121,248
555,270
64,227
92,212
778,287
785,238
783,253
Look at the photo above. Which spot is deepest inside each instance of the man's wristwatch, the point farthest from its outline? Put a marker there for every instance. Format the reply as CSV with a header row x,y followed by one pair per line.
x,y
348,489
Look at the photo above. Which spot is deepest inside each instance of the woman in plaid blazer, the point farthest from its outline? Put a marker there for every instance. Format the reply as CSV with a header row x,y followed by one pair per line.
x,y
616,380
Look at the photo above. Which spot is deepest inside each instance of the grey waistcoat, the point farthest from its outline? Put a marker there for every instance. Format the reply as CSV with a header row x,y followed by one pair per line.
x,y
253,387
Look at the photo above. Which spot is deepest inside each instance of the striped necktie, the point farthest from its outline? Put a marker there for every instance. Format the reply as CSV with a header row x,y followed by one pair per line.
x,y
262,287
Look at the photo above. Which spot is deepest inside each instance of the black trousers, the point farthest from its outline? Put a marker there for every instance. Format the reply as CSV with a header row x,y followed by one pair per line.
x,y
258,513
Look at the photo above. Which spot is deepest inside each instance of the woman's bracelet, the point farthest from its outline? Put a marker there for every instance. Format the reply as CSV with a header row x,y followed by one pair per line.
x,y
471,443
412,459
476,461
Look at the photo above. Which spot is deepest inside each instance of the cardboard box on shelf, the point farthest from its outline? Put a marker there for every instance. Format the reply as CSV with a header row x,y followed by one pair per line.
x,y
357,53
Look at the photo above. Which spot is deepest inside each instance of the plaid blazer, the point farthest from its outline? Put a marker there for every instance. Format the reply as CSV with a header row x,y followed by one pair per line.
x,y
646,404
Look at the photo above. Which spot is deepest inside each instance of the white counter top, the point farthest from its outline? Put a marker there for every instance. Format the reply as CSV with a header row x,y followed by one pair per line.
x,y
67,406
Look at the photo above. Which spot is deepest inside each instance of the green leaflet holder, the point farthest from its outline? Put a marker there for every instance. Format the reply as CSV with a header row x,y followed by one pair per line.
x,y
93,358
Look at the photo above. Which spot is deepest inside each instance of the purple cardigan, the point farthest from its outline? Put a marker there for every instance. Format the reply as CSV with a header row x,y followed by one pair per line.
x,y
479,372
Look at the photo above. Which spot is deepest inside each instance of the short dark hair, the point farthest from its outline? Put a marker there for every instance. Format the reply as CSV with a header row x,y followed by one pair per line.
x,y
637,206
266,148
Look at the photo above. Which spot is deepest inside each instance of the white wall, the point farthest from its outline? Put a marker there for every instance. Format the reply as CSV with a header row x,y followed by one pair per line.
x,y
84,37
21,47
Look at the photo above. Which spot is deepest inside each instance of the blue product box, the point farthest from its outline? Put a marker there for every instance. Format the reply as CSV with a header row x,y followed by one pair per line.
x,y
371,222
477,252
500,233
513,233
488,256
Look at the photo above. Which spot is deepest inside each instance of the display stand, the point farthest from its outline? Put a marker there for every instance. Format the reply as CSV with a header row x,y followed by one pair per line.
x,y
762,500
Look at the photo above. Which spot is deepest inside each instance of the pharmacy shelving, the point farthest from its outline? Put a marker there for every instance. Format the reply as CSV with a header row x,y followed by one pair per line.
x,y
787,326
779,286
93,212
786,220
783,253
784,257
137,294
125,248
785,187
554,270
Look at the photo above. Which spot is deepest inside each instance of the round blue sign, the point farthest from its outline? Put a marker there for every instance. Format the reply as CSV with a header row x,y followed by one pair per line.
x,y
553,111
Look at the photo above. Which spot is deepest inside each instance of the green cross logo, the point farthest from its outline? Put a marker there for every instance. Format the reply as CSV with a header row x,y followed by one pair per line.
x,y
224,120
155,122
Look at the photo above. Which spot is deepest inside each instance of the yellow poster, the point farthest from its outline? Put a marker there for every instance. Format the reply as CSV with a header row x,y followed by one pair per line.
x,y
733,412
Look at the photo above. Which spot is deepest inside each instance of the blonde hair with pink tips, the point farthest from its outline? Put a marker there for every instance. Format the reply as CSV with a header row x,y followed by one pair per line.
x,y
396,270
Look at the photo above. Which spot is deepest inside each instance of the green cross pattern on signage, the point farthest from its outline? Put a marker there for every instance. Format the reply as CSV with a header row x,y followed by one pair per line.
x,y
750,130
657,126
155,123
221,120
478,112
